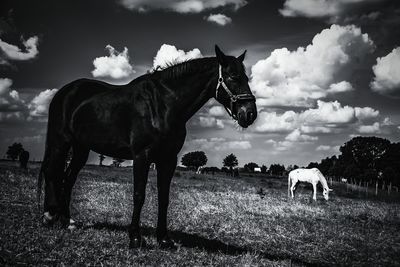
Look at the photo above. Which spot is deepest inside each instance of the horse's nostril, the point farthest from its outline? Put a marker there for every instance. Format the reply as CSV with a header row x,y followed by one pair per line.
x,y
249,116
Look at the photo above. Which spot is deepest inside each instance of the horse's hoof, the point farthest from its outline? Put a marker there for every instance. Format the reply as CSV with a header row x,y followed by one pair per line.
x,y
137,242
48,220
167,243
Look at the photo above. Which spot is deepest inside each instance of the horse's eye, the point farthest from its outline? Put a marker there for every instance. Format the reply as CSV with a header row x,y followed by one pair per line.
x,y
234,78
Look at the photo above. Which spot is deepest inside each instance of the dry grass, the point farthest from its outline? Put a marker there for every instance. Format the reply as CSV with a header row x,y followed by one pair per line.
x,y
216,221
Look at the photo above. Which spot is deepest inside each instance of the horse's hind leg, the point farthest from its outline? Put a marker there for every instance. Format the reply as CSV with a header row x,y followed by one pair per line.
x,y
53,171
141,167
293,187
79,158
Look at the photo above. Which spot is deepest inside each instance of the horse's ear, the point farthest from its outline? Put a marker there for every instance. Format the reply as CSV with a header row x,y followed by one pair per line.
x,y
241,57
220,56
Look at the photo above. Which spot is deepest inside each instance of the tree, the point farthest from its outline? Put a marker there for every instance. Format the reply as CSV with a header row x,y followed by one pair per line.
x,y
101,159
365,152
313,165
14,150
230,161
249,167
264,169
352,172
194,159
277,169
390,163
117,162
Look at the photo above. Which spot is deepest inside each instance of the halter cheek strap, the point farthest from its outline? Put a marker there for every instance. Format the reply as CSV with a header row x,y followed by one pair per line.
x,y
233,98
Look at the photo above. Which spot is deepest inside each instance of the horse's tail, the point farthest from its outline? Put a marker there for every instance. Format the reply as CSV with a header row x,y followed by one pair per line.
x,y
288,185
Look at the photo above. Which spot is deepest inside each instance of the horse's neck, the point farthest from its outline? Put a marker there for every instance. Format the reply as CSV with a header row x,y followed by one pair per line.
x,y
196,89
323,181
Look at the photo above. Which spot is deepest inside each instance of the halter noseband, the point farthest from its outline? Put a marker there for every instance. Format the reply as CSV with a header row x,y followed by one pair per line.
x,y
233,98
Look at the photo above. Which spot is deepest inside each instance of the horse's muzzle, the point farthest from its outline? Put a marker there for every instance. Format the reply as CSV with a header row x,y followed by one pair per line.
x,y
246,114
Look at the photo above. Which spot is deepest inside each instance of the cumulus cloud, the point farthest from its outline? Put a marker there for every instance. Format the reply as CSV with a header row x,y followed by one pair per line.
x,y
9,99
272,122
181,6
211,122
217,111
333,10
387,74
298,78
328,113
13,52
297,136
116,65
327,117
39,105
219,19
169,54
370,129
366,113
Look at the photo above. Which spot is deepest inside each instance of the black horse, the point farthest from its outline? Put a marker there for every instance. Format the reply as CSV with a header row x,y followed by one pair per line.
x,y
144,120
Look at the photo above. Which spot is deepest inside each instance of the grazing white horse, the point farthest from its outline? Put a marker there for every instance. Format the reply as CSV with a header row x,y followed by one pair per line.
x,y
312,176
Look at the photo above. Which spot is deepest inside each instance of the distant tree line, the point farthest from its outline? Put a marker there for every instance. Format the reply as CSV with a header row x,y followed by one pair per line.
x,y
364,159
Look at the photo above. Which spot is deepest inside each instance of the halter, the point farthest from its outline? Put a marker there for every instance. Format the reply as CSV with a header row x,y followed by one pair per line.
x,y
233,98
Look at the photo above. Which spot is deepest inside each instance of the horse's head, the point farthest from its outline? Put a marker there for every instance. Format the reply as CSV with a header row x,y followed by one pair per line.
x,y
325,193
233,90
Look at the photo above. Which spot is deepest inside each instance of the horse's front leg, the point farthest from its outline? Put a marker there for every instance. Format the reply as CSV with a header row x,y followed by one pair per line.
x,y
165,172
140,172
315,192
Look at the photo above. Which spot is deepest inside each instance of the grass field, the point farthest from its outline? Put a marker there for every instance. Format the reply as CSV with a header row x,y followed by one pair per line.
x,y
215,220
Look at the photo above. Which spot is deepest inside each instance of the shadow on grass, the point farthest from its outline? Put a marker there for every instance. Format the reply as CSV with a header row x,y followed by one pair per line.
x,y
196,241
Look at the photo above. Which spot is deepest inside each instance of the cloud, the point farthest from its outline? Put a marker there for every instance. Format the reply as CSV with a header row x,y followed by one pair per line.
x,y
387,74
13,52
328,148
39,105
297,136
219,19
333,10
219,144
271,122
115,66
9,99
366,113
310,73
327,117
370,129
181,6
169,54
217,111
210,122
328,113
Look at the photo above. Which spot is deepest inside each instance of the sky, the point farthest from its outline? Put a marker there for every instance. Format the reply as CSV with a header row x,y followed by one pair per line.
x,y
322,71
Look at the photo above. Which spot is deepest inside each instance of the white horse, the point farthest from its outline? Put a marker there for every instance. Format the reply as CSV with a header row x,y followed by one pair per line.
x,y
312,176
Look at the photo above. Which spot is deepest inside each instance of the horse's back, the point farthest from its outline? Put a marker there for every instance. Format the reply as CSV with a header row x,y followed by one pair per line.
x,y
67,99
305,175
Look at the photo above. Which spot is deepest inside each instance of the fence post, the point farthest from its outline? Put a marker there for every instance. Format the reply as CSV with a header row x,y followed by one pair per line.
x,y
389,188
376,188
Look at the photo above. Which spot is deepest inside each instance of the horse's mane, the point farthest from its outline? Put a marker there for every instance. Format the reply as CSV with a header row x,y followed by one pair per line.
x,y
175,70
